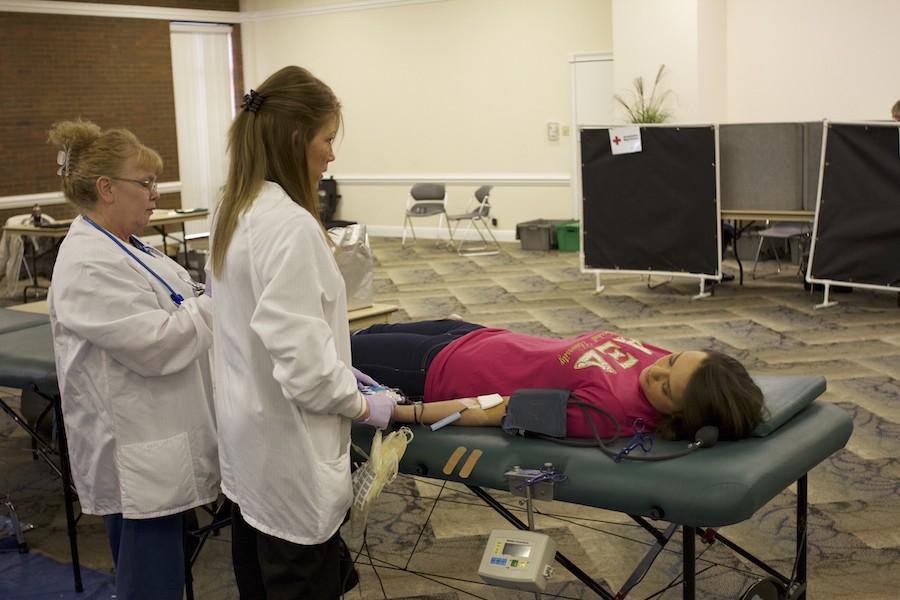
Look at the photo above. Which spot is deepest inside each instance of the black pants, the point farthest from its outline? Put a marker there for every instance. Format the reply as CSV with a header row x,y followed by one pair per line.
x,y
398,354
270,568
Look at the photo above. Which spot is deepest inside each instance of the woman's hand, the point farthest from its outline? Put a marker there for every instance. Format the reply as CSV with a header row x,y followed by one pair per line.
x,y
362,378
380,409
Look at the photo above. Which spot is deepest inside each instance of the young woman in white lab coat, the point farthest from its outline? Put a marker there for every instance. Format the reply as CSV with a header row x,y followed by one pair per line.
x,y
285,392
132,339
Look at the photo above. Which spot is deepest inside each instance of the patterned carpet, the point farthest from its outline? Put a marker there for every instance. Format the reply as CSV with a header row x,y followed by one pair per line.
x,y
769,323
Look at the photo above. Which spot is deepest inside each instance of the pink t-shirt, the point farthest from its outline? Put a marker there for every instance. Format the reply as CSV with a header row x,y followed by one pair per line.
x,y
600,368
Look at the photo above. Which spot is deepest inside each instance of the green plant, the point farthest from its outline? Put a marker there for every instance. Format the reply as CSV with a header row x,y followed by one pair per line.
x,y
643,108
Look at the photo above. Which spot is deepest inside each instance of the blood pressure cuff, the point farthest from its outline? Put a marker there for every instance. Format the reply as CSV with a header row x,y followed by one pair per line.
x,y
536,411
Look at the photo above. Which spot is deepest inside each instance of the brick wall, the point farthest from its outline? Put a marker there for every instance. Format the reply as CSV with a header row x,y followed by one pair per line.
x,y
115,72
237,64
67,211
231,5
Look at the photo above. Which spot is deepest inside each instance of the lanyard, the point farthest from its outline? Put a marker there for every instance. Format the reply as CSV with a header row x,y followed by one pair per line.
x,y
175,296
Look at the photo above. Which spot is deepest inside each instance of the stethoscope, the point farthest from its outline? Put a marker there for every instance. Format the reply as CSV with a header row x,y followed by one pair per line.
x,y
175,296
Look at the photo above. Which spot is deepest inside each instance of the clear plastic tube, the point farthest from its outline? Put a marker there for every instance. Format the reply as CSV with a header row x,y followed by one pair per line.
x,y
378,471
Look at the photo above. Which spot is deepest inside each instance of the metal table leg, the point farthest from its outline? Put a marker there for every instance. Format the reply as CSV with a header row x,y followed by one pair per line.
x,y
68,495
688,562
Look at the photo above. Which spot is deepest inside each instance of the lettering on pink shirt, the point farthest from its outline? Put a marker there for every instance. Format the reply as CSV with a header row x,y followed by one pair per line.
x,y
596,357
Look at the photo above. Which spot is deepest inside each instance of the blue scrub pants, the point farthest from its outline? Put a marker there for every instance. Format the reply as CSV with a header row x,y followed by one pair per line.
x,y
149,556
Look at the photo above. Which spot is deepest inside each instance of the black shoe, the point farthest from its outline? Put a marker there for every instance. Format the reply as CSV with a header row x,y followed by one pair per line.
x,y
727,277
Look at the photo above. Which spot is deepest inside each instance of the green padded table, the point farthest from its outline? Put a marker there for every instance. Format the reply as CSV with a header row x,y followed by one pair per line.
x,y
707,488
13,320
26,359
27,363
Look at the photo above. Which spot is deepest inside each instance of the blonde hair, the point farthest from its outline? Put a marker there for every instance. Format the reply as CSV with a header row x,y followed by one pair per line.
x,y
262,147
93,153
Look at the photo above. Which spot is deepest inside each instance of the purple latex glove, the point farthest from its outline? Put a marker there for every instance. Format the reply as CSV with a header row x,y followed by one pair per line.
x,y
362,378
381,409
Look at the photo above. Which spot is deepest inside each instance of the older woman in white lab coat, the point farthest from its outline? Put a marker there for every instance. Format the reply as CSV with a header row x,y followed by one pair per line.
x,y
132,339
285,392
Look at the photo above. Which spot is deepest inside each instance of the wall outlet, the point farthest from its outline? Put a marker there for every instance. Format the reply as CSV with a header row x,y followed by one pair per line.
x,y
553,131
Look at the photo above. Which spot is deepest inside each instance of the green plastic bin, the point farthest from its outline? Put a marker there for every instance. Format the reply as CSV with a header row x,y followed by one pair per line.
x,y
568,236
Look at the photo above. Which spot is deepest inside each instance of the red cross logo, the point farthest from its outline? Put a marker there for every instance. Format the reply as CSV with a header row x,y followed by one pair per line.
x,y
616,140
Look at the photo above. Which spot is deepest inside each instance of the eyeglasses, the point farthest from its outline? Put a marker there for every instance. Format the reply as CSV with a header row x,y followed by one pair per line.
x,y
148,184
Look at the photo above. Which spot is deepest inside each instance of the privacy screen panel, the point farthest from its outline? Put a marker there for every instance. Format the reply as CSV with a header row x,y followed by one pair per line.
x,y
769,166
812,159
654,210
761,166
858,222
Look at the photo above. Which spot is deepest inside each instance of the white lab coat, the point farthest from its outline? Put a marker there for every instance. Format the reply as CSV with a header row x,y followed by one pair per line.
x,y
135,380
284,392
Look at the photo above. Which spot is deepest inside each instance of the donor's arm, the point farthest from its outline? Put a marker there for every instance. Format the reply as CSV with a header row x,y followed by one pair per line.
x,y
471,413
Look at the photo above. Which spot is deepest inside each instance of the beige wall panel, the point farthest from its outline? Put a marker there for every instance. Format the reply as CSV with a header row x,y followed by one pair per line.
x,y
810,59
381,206
648,33
448,88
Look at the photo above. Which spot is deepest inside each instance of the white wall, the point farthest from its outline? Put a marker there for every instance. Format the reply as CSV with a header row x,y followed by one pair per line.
x,y
712,65
810,59
763,60
648,33
461,90
454,90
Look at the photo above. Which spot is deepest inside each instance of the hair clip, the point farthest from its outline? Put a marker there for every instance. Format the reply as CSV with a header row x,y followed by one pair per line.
x,y
62,159
253,101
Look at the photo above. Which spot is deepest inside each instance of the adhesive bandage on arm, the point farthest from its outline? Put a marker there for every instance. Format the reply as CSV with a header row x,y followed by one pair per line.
x,y
483,402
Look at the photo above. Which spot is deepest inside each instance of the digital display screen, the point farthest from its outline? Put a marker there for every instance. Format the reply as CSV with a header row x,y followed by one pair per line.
x,y
519,550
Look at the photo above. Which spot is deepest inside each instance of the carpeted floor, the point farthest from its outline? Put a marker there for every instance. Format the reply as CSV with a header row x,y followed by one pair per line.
x,y
769,324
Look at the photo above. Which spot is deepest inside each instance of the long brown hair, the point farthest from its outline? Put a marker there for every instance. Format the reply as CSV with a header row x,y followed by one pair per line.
x,y
262,147
91,153
720,393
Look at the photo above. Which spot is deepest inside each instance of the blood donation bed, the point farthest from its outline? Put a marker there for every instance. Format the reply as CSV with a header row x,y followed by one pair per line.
x,y
705,489
26,363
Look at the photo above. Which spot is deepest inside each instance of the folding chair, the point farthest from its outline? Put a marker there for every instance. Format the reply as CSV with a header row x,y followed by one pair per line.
x,y
15,252
477,217
12,257
781,231
426,200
